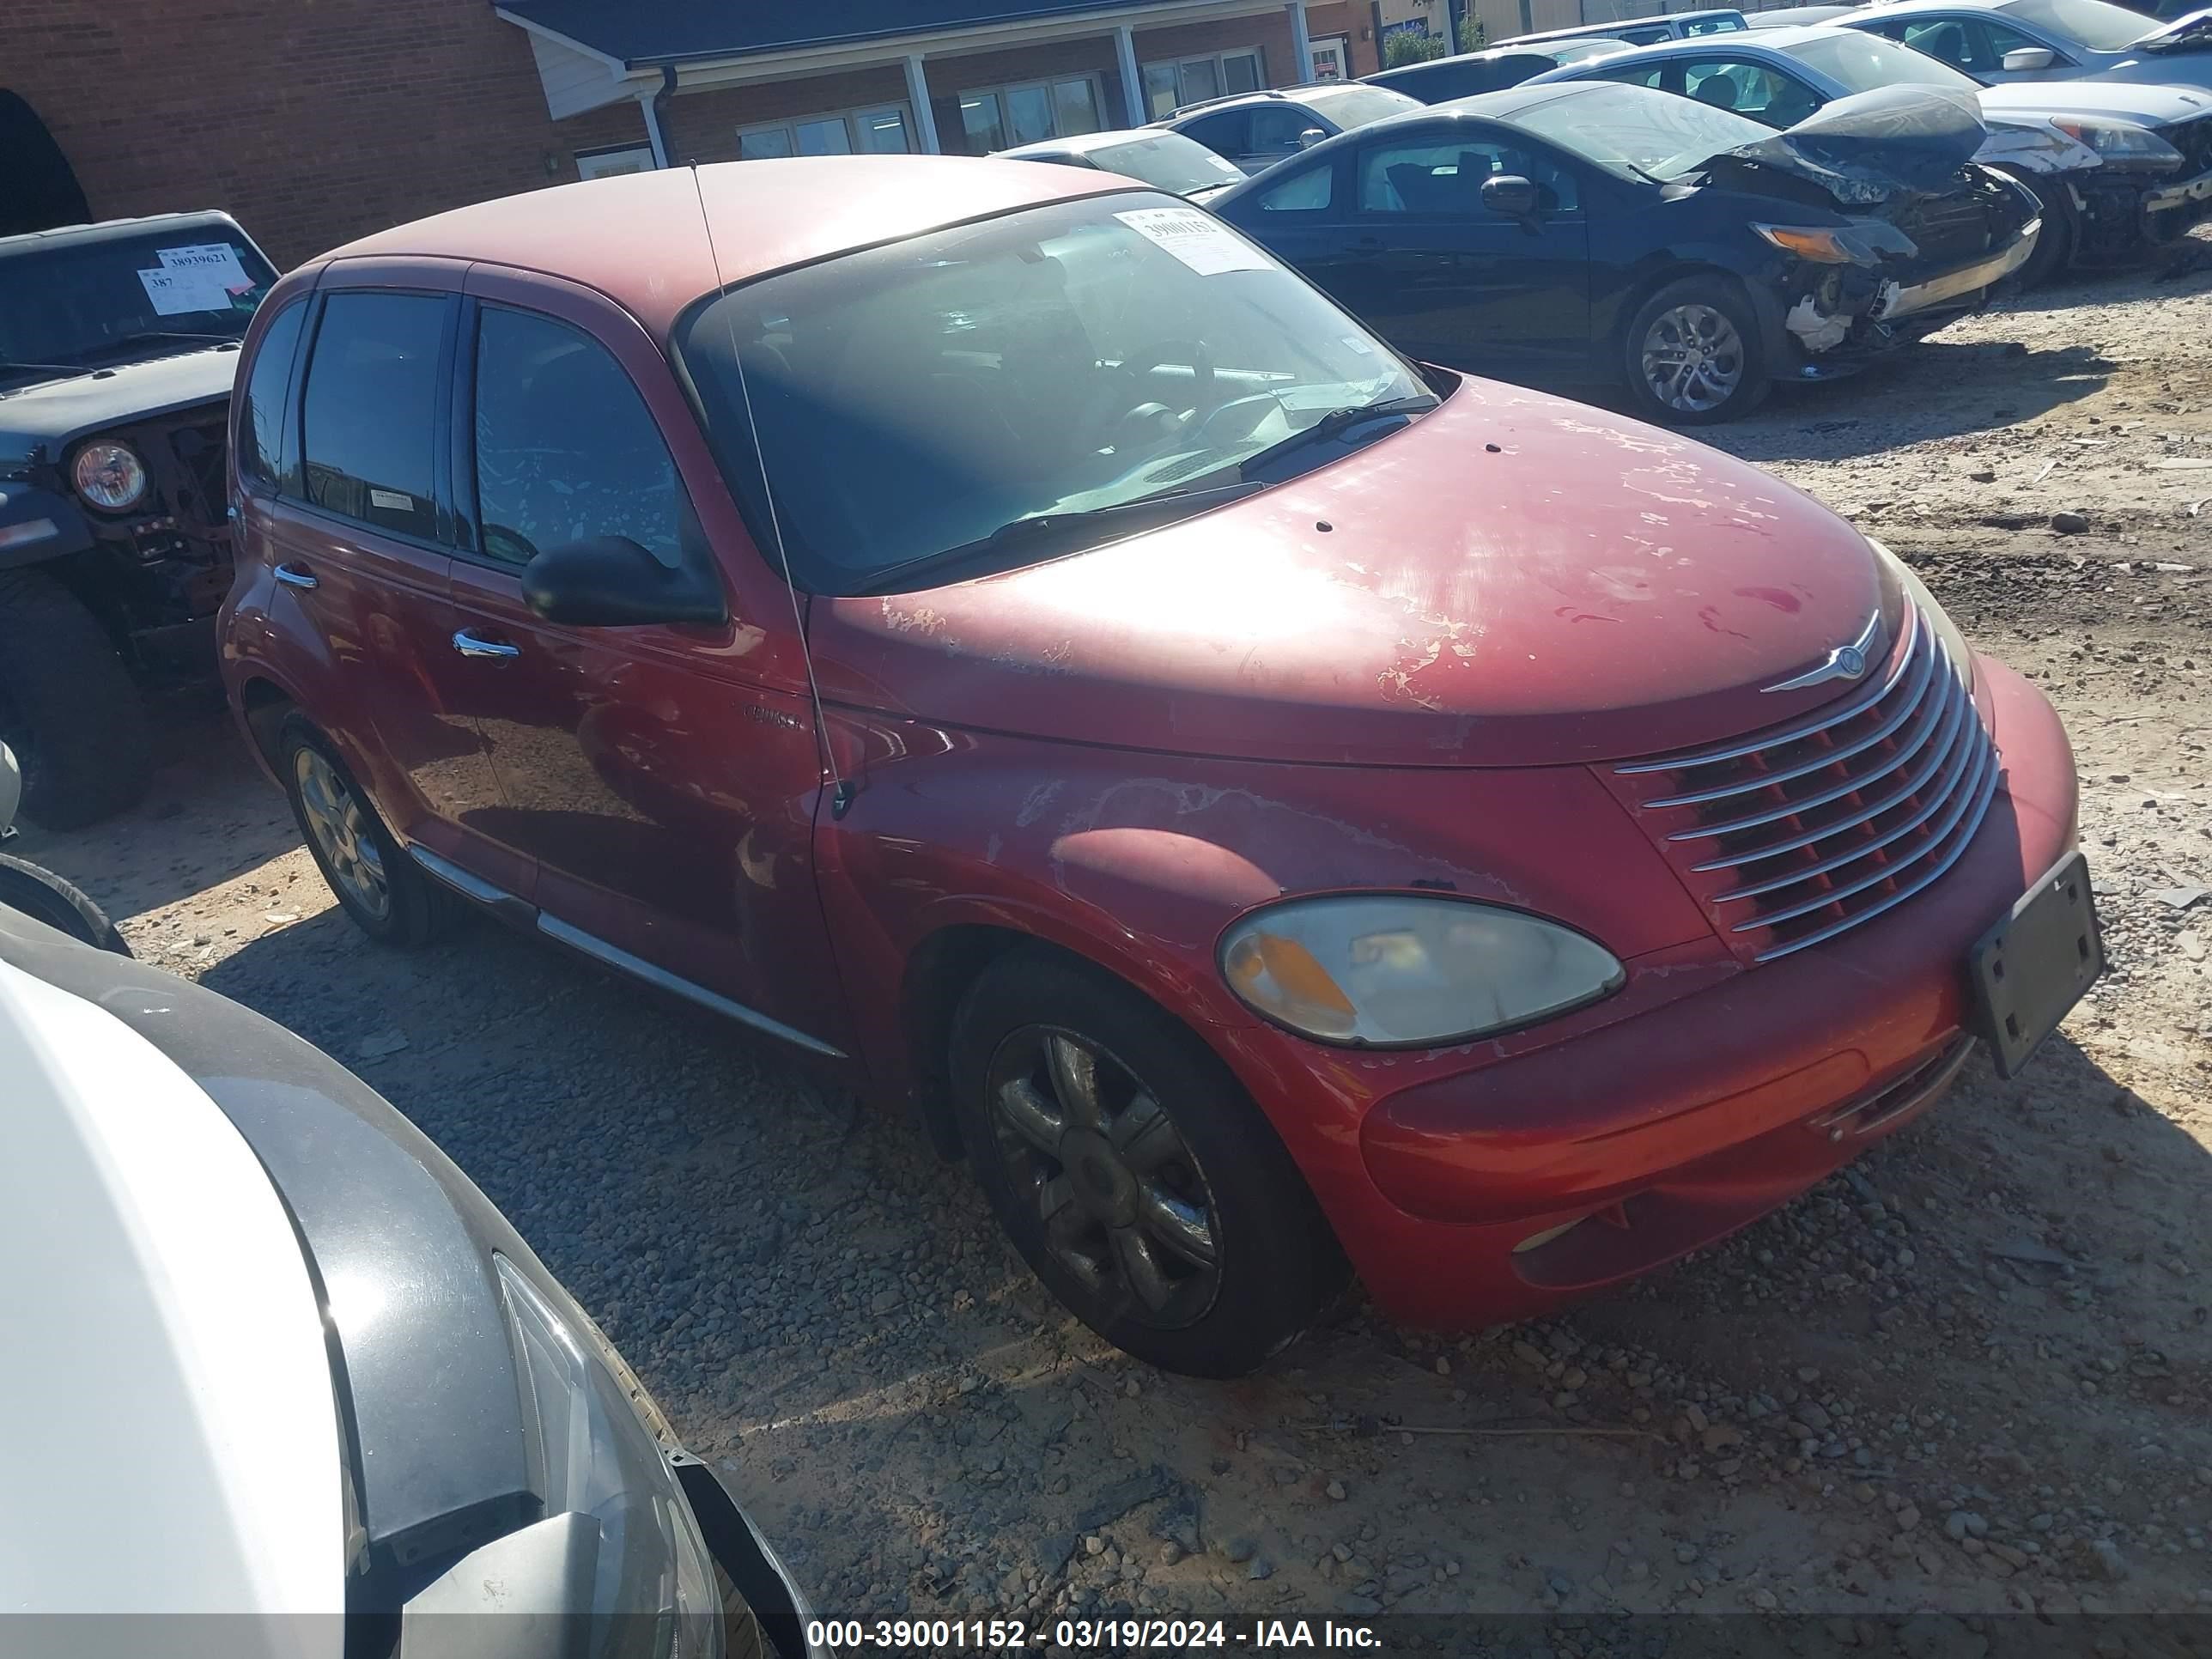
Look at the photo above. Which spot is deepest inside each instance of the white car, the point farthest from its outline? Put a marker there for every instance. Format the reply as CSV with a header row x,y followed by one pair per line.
x,y
1999,41
273,1356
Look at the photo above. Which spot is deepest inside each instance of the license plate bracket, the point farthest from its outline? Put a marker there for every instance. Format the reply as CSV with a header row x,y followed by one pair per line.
x,y
2031,969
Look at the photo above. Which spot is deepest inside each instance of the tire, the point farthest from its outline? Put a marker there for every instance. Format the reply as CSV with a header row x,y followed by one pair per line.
x,y
1708,316
67,706
1215,1178
2055,245
378,885
44,896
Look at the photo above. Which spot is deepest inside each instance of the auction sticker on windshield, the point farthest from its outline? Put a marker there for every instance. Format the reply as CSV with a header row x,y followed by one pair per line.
x,y
1203,243
177,292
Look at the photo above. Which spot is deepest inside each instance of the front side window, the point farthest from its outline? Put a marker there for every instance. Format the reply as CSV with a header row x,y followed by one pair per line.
x,y
368,429
85,305
566,450
1726,24
1309,191
914,401
1863,62
1445,181
261,421
1277,129
1750,88
1956,41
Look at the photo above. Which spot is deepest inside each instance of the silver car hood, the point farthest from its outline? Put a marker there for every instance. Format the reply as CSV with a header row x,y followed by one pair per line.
x,y
172,1445
2145,101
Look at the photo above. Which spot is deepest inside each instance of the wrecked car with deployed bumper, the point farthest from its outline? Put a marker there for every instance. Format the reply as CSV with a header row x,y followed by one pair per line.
x,y
1588,232
2153,180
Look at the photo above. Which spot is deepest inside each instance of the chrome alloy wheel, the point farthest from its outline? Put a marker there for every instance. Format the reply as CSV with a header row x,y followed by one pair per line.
x,y
1125,1207
1694,359
340,828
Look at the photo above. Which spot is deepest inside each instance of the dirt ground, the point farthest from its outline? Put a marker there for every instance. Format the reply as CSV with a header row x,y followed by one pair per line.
x,y
1970,1375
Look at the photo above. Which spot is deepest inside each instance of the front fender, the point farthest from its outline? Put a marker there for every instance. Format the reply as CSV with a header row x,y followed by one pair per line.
x,y
1136,861
38,525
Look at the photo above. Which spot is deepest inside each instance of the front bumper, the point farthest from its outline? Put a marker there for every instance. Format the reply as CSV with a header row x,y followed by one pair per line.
x,y
2195,192
1696,1113
742,1553
1895,301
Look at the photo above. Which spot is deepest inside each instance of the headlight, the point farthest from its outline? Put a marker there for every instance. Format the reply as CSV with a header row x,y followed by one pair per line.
x,y
2121,143
110,476
654,1591
1393,970
1866,244
1916,592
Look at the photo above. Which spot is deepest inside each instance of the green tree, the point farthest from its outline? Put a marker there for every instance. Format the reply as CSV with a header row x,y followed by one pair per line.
x,y
1473,37
1403,46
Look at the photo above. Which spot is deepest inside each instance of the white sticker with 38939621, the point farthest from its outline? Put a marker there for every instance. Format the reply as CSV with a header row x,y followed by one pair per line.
x,y
1199,239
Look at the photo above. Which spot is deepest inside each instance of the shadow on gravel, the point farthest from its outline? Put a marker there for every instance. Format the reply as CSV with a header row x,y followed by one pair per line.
x,y
1948,391
230,819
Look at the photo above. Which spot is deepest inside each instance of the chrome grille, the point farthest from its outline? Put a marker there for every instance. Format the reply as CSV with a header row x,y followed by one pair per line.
x,y
1793,835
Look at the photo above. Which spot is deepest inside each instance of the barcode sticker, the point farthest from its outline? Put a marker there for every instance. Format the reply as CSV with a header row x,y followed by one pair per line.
x,y
1199,240
391,500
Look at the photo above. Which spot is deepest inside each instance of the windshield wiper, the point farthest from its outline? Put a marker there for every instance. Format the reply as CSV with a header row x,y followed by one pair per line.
x,y
1336,421
1052,526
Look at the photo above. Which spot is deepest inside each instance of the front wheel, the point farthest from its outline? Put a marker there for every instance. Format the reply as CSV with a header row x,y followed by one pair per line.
x,y
1132,1172
2054,243
1693,355
41,894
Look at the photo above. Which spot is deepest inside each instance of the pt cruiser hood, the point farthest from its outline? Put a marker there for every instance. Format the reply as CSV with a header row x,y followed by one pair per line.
x,y
1511,580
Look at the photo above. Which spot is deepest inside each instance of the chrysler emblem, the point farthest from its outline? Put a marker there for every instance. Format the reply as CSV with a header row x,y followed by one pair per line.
x,y
1846,662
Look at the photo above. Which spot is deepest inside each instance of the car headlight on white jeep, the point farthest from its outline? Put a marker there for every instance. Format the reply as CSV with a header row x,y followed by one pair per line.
x,y
653,1592
1401,970
109,475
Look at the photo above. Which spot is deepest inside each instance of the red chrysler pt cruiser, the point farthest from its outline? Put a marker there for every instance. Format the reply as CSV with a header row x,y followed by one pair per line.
x,y
1275,808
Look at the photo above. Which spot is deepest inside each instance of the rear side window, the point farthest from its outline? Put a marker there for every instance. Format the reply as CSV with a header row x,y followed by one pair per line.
x,y
261,422
370,430
566,449
1222,133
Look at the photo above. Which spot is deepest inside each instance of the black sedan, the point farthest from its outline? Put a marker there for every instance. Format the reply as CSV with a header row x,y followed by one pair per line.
x,y
1592,232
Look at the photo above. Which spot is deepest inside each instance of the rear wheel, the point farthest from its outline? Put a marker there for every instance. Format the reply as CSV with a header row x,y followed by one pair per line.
x,y
1131,1171
43,896
377,884
1693,355
67,706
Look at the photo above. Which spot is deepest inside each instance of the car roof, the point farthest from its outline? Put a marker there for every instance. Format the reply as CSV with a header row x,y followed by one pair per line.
x,y
1912,8
1513,100
114,230
637,237
1736,41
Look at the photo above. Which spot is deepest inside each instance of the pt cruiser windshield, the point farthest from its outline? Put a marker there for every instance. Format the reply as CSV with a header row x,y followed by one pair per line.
x,y
1050,380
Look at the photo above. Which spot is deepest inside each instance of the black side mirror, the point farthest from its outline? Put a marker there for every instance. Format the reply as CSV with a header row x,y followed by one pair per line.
x,y
611,581
1510,195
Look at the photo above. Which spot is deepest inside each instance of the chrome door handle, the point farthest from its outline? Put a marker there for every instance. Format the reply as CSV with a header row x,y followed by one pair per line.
x,y
470,645
296,575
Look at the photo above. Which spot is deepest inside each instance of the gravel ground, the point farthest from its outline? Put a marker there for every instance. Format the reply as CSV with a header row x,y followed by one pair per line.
x,y
1970,1375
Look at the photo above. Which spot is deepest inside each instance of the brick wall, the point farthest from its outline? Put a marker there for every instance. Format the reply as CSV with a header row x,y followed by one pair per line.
x,y
621,123
313,121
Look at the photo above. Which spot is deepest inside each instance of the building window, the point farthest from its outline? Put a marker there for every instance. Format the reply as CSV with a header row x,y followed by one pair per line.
x,y
614,159
1172,86
1000,118
886,130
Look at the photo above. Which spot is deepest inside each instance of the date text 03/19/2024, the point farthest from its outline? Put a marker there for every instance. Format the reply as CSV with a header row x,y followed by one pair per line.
x,y
986,1636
